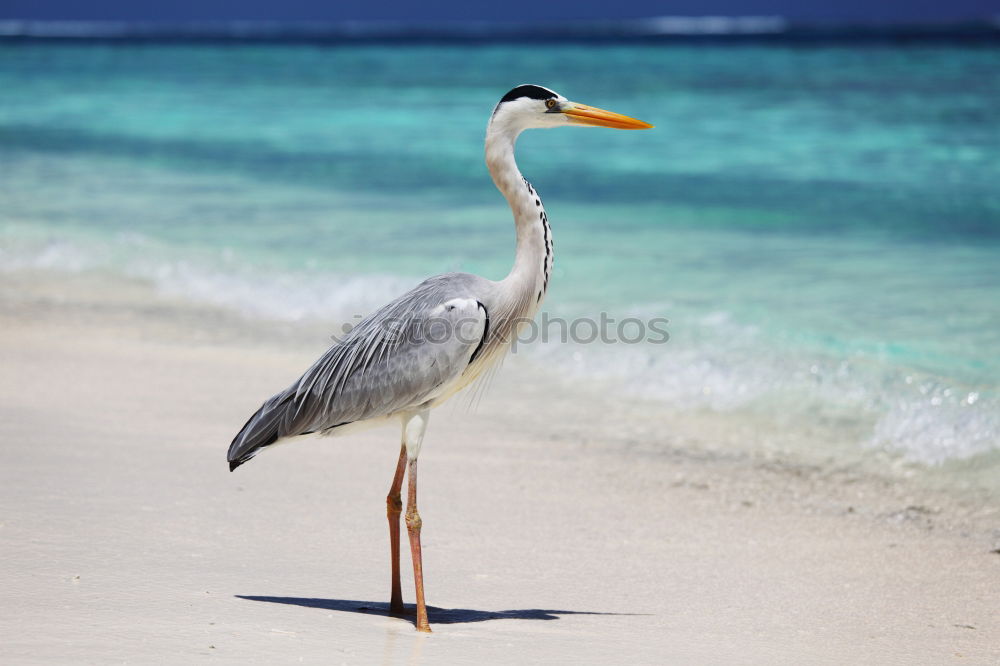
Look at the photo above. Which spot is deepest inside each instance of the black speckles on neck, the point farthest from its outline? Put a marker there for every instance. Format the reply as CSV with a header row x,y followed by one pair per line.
x,y
546,239
547,267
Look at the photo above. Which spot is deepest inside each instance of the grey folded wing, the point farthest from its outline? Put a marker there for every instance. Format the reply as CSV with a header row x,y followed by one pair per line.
x,y
397,358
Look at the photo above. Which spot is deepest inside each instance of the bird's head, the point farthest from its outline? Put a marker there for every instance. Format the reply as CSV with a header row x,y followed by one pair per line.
x,y
530,106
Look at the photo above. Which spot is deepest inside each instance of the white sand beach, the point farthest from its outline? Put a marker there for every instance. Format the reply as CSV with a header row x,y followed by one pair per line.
x,y
559,526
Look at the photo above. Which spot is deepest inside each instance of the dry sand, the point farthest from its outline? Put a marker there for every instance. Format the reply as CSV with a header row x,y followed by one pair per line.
x,y
559,527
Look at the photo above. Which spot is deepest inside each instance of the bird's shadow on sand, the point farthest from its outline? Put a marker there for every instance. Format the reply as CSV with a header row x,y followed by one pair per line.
x,y
434,614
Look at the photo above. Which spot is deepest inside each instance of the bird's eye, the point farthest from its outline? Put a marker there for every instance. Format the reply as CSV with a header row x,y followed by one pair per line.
x,y
549,103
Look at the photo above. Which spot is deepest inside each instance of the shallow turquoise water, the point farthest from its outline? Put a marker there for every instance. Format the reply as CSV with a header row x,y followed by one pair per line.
x,y
820,225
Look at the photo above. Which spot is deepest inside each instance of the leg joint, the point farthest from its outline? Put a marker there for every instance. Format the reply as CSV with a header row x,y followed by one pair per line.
x,y
413,521
393,503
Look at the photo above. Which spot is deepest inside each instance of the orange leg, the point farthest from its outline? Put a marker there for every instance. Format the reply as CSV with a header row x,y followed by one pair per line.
x,y
394,506
413,524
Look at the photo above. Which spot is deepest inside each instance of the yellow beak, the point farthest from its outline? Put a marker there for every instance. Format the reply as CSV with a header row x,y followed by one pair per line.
x,y
589,115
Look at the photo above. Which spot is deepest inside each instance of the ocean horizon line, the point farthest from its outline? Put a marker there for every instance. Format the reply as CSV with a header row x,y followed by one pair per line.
x,y
667,29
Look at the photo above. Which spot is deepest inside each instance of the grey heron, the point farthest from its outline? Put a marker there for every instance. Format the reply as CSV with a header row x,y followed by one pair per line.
x,y
428,344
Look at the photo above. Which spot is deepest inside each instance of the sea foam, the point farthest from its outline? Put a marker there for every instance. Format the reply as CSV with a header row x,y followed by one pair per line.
x,y
711,363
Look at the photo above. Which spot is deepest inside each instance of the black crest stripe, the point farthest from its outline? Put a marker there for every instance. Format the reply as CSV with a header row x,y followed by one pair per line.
x,y
529,91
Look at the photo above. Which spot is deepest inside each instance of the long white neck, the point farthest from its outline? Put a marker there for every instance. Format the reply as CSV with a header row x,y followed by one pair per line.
x,y
529,278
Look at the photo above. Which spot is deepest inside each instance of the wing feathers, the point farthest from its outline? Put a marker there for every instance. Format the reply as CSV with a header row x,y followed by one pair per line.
x,y
399,357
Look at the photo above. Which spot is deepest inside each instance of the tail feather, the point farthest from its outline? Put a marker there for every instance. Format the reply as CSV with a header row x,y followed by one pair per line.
x,y
262,429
